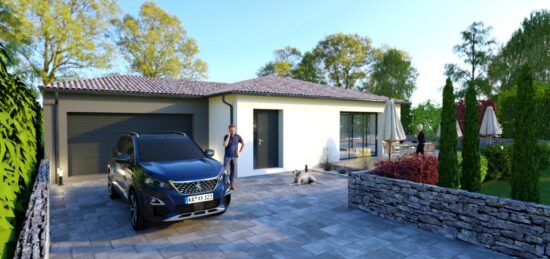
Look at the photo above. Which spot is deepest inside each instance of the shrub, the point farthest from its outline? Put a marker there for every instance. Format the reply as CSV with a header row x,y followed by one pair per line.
x,y
500,161
484,162
420,169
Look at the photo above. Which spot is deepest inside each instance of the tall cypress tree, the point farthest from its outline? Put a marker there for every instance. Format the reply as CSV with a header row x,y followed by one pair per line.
x,y
525,178
448,163
471,168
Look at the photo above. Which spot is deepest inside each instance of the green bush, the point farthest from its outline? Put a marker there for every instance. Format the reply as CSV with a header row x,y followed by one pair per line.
x,y
484,163
20,117
499,157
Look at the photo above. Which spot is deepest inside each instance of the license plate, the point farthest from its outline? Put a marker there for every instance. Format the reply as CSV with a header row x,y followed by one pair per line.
x,y
199,198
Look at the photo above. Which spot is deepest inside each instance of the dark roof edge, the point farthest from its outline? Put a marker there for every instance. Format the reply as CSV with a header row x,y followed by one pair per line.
x,y
103,92
297,96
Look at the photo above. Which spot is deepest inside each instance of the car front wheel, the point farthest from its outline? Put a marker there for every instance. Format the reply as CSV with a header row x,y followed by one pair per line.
x,y
136,218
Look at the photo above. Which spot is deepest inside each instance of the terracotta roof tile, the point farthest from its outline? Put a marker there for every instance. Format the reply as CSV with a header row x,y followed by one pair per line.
x,y
267,85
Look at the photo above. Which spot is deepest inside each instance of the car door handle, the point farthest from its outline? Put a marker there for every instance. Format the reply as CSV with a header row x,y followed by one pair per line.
x,y
260,140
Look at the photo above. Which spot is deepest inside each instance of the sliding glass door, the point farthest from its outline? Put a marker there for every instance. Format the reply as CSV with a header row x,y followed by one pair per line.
x,y
357,135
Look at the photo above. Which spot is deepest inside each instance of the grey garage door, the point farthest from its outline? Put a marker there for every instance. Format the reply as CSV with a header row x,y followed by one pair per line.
x,y
92,136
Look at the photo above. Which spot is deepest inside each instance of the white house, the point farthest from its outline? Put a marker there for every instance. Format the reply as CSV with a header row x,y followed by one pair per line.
x,y
285,123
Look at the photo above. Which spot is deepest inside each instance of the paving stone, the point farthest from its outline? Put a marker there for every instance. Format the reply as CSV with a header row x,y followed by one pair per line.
x,y
265,221
319,247
349,251
385,253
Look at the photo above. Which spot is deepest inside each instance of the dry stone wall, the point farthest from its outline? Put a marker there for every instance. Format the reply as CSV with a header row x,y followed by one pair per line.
x,y
507,226
34,238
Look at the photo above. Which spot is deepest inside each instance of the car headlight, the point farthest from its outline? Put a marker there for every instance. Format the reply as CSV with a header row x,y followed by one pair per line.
x,y
223,177
156,183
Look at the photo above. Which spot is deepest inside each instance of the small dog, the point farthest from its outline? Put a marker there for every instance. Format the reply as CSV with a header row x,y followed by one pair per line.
x,y
302,178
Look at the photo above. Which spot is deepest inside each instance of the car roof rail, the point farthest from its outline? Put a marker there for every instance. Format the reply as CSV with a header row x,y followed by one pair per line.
x,y
176,132
133,133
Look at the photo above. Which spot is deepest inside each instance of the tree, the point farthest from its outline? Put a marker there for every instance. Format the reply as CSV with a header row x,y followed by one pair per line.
x,y
345,58
157,45
429,115
10,25
308,69
448,163
476,51
61,37
392,75
525,178
286,60
528,45
507,101
407,118
471,161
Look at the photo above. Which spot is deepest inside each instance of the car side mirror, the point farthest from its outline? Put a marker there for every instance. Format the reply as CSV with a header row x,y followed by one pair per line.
x,y
209,152
122,158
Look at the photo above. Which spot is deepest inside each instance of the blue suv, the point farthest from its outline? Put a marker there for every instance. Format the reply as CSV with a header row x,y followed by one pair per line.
x,y
166,177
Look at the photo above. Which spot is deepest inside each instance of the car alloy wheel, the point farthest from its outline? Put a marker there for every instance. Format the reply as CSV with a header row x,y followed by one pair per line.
x,y
133,209
137,220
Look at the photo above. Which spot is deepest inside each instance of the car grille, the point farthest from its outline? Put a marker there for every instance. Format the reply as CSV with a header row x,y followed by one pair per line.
x,y
188,208
196,187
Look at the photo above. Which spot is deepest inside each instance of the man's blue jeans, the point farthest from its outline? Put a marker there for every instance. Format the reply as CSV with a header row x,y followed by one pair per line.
x,y
230,164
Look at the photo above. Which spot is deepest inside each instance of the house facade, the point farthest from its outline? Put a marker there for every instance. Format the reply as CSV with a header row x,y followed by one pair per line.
x,y
286,123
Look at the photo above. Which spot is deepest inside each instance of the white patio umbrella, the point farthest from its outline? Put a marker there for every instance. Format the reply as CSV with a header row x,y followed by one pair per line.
x,y
391,129
489,125
458,131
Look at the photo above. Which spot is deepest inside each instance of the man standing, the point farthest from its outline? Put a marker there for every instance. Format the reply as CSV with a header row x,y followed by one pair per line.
x,y
231,143
421,139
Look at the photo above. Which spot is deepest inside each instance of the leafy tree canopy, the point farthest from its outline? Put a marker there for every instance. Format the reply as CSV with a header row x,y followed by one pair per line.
x,y
429,115
157,45
392,75
286,60
528,45
348,61
56,38
476,51
345,58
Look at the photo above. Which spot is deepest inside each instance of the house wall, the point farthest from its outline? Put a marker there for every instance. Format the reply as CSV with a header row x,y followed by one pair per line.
x,y
218,120
310,128
112,103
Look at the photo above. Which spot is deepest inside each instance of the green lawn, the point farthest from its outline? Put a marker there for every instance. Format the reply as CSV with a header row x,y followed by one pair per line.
x,y
501,188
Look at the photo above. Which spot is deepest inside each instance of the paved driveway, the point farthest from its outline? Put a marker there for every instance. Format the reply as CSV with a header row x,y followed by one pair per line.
x,y
267,218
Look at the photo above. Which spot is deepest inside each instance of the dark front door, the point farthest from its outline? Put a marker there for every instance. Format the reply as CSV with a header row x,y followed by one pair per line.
x,y
266,139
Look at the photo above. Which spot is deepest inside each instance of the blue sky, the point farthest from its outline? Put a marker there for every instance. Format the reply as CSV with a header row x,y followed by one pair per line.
x,y
237,37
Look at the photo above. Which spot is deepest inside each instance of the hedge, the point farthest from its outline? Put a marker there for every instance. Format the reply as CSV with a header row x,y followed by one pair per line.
x,y
420,169
20,117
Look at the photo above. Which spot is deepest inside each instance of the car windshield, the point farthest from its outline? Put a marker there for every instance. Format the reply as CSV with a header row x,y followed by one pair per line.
x,y
158,149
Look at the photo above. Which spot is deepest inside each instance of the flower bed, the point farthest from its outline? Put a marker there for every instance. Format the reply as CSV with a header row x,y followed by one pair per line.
x,y
508,226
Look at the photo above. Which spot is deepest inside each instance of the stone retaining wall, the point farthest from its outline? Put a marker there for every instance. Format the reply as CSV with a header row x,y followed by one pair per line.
x,y
507,226
34,238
